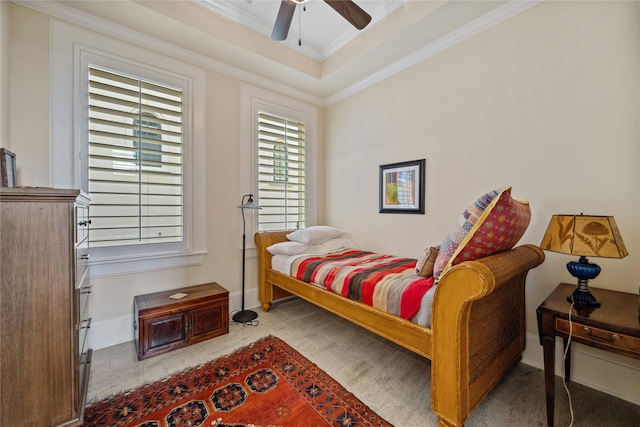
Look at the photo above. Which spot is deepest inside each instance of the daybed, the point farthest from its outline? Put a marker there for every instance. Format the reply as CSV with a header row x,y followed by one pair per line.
x,y
477,328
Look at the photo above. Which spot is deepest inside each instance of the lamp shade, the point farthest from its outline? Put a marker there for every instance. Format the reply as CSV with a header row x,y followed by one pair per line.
x,y
584,235
249,204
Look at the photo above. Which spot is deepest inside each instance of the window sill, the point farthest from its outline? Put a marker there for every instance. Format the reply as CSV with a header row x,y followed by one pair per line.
x,y
111,266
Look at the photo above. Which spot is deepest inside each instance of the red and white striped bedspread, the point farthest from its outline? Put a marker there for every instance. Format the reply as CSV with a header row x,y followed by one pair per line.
x,y
385,282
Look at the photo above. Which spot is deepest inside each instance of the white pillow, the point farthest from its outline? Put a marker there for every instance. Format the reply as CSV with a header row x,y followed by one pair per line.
x,y
297,248
315,234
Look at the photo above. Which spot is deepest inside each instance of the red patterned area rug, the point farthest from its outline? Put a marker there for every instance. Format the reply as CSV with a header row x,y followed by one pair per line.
x,y
265,384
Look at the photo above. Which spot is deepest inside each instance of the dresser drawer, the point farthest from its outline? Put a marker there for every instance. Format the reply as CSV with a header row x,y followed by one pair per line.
x,y
84,321
82,223
599,337
84,369
83,333
82,260
84,294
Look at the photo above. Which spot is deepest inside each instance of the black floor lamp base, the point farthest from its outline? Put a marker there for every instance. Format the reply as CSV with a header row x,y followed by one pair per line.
x,y
244,316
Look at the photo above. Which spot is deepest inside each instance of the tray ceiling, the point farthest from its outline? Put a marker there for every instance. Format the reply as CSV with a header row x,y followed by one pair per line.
x,y
233,37
320,30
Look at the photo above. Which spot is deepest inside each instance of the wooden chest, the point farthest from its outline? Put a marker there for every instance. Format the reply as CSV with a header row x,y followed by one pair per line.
x,y
164,324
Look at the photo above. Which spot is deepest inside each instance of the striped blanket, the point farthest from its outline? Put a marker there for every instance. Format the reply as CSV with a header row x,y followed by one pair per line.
x,y
385,282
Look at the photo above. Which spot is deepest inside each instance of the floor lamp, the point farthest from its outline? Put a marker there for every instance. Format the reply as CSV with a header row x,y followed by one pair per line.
x,y
245,316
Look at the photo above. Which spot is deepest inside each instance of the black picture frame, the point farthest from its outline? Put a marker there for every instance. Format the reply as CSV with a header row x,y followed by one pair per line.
x,y
7,168
402,187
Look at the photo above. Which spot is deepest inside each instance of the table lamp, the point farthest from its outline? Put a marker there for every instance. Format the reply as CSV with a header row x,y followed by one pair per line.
x,y
584,235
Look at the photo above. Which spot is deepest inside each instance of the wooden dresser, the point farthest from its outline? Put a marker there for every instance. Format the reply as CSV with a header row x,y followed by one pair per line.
x,y
44,355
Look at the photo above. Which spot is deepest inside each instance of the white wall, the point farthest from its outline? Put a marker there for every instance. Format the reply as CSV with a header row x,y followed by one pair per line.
x,y
546,102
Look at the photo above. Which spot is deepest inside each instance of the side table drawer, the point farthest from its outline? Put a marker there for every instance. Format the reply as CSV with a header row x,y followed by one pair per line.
x,y
599,337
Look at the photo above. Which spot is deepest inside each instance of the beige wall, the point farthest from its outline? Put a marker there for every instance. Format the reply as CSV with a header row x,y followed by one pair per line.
x,y
546,102
29,95
4,75
112,298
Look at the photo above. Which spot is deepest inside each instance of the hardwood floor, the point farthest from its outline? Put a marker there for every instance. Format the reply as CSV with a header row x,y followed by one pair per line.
x,y
392,381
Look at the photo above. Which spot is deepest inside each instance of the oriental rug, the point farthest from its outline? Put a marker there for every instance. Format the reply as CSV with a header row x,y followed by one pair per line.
x,y
267,383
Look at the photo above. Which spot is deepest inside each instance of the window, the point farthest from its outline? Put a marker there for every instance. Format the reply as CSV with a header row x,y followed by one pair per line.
x,y
132,120
135,159
282,179
278,161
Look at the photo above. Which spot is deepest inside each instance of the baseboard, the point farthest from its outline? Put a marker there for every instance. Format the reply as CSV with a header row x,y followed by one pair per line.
x,y
121,329
111,332
609,373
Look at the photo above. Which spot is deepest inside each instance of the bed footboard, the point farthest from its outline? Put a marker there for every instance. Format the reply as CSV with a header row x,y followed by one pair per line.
x,y
478,329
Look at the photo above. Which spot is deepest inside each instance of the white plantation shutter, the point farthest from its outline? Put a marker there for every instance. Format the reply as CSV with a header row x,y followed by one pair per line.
x,y
281,173
135,160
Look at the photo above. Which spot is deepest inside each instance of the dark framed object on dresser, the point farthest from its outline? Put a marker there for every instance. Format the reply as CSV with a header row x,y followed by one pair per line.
x,y
7,168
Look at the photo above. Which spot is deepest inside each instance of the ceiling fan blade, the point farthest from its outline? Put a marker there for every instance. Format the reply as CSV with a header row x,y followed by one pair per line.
x,y
351,12
283,21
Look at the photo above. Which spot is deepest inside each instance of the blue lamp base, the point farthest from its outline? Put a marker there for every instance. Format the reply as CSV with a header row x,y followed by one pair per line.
x,y
584,271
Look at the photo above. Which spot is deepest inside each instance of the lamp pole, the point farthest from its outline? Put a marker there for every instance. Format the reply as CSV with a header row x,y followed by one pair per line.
x,y
245,316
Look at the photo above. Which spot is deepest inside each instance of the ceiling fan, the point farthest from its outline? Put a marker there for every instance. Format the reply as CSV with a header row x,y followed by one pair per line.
x,y
346,8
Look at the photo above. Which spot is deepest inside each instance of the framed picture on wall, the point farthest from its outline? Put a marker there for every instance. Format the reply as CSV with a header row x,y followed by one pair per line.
x,y
8,168
402,187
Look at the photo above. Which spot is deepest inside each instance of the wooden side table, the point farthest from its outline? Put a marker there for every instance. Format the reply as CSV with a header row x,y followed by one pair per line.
x,y
614,327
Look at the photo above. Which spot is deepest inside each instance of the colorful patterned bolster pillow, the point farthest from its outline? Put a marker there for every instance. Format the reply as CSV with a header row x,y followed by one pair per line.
x,y
493,223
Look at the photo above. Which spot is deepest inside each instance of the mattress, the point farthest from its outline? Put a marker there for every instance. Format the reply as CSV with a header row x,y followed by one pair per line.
x,y
399,270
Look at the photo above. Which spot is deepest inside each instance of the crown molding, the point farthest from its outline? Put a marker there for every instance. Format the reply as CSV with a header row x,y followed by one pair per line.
x,y
68,14
230,12
500,14
348,36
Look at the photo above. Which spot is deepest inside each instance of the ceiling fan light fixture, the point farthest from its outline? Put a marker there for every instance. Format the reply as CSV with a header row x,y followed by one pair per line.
x,y
346,8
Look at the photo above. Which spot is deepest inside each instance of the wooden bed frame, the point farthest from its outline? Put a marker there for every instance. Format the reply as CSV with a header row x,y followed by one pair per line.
x,y
478,323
